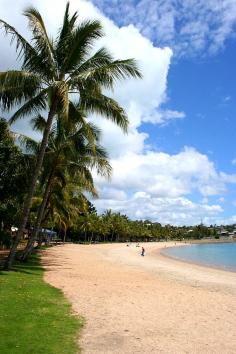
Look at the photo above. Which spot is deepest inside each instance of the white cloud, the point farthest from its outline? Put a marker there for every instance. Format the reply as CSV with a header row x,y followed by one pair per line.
x,y
189,27
110,193
162,174
205,200
145,183
163,116
177,211
226,220
140,98
159,186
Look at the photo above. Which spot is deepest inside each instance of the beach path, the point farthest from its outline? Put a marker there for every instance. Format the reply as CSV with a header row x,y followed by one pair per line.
x,y
151,304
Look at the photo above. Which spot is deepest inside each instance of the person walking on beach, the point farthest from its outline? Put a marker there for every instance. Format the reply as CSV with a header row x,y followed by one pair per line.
x,y
143,252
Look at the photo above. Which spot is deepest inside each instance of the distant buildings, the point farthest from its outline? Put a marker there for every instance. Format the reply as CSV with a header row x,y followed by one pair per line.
x,y
225,233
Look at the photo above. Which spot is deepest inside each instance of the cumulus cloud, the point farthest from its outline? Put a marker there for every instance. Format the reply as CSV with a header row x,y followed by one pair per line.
x,y
175,211
159,186
165,175
145,183
141,99
189,27
163,116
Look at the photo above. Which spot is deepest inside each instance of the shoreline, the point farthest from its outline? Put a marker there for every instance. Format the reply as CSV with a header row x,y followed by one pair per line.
x,y
172,268
133,304
204,265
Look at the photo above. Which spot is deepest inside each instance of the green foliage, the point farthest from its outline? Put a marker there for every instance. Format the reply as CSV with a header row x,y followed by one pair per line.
x,y
35,318
53,69
115,227
15,167
12,165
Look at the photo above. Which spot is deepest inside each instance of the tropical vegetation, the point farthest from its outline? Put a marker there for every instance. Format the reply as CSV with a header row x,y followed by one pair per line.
x,y
58,78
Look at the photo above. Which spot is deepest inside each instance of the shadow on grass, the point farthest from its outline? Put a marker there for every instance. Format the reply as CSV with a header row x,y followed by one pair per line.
x,y
32,266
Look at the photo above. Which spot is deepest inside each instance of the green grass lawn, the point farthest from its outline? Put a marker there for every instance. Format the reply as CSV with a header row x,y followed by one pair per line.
x,y
35,318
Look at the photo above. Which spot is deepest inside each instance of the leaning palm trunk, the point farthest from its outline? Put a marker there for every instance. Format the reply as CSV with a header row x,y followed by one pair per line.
x,y
28,200
30,245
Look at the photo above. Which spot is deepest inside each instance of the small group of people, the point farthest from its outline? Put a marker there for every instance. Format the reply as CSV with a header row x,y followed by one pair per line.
x,y
142,249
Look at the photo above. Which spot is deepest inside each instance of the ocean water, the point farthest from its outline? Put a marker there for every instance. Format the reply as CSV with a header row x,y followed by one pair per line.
x,y
220,255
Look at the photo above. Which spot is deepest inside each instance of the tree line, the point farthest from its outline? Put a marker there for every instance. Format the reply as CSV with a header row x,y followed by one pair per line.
x,y
115,227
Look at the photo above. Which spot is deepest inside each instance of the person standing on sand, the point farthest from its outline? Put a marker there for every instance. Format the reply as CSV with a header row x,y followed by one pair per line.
x,y
143,252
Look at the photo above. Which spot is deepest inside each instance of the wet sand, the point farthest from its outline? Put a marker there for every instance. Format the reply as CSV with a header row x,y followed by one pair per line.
x,y
150,304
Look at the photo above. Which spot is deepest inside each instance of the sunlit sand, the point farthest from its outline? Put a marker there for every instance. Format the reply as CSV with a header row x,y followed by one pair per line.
x,y
150,304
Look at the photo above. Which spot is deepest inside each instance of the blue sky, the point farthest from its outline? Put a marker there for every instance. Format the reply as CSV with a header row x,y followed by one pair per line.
x,y
201,83
178,163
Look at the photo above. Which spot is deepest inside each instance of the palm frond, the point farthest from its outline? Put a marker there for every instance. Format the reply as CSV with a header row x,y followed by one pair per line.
x,y
100,58
92,132
76,115
23,47
105,106
80,43
29,144
77,119
63,38
103,168
34,105
38,123
17,87
31,60
43,44
109,73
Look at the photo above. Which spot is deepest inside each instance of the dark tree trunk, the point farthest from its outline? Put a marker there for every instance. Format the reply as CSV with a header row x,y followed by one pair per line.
x,y
40,241
30,245
64,239
91,238
28,200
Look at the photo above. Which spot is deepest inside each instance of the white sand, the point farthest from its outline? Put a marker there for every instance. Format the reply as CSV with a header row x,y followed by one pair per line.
x,y
150,304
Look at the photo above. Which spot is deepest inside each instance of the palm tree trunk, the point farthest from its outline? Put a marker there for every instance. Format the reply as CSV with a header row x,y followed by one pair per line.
x,y
91,238
29,247
28,200
112,236
64,239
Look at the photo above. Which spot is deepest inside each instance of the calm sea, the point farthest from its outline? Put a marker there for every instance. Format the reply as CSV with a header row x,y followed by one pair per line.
x,y
220,255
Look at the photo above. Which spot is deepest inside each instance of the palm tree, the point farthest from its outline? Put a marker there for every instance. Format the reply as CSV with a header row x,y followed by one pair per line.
x,y
66,205
54,69
72,150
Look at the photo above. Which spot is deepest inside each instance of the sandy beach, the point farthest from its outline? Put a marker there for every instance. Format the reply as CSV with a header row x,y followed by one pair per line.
x,y
151,304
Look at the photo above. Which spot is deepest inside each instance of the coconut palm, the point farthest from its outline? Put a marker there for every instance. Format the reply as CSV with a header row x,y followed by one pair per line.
x,y
65,205
54,69
72,150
